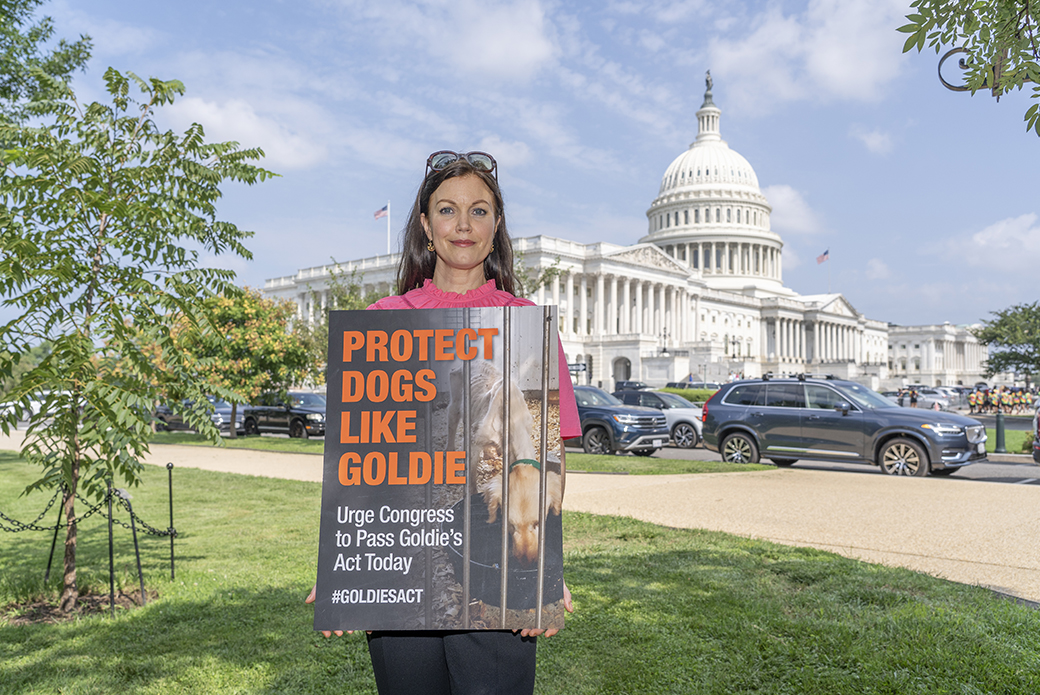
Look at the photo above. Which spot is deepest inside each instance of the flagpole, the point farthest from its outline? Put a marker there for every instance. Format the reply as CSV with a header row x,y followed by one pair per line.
x,y
388,227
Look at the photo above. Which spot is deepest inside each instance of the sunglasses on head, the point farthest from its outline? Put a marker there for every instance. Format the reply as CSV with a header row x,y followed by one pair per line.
x,y
481,161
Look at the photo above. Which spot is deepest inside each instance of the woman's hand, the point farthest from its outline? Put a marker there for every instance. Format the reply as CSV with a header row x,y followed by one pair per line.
x,y
339,633
568,604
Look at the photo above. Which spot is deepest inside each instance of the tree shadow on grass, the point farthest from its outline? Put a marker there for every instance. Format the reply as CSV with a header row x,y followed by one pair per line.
x,y
259,641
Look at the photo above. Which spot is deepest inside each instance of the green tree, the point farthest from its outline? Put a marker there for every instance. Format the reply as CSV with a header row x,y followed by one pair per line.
x,y
249,349
1013,338
24,58
1001,39
103,218
529,280
343,293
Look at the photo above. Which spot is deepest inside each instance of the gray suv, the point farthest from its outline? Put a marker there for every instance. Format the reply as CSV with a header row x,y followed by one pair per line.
x,y
825,419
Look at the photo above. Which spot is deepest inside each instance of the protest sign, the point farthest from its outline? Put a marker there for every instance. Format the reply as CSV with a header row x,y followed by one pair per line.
x,y
442,483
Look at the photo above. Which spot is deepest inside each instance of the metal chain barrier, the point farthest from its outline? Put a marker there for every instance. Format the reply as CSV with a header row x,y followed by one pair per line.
x,y
17,526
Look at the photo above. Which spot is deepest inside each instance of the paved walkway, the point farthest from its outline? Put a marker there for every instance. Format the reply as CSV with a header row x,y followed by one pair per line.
x,y
971,532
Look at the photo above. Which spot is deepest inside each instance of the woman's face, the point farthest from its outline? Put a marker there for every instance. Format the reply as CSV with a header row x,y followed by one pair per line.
x,y
461,224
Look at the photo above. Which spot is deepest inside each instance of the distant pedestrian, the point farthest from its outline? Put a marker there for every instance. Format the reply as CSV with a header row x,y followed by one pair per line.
x,y
913,398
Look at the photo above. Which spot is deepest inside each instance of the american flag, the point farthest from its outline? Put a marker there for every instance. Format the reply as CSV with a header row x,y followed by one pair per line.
x,y
823,257
382,212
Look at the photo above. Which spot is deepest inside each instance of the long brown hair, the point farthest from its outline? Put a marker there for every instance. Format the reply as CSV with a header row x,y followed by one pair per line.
x,y
417,262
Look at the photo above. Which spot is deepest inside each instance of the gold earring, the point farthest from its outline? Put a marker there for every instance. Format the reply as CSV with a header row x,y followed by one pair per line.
x,y
429,245
492,247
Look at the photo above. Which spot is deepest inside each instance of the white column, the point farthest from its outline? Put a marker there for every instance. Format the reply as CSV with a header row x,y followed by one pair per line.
x,y
556,290
615,315
598,307
626,307
583,303
639,308
569,326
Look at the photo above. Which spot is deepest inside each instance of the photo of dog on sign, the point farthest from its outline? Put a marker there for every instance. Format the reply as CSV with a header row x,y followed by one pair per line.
x,y
511,487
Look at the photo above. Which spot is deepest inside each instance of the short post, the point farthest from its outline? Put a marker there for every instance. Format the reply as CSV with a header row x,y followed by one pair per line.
x,y
1000,448
169,468
111,558
125,496
54,541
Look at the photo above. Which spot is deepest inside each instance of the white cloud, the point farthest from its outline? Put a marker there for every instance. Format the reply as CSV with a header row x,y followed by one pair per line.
x,y
791,259
791,212
876,141
507,154
111,37
236,119
835,49
497,40
877,269
1011,244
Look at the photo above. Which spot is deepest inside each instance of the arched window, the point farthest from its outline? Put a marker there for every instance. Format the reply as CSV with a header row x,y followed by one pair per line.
x,y
729,214
668,220
738,215
686,216
718,214
697,216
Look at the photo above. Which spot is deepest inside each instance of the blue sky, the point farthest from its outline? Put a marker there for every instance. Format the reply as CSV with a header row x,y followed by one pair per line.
x,y
928,200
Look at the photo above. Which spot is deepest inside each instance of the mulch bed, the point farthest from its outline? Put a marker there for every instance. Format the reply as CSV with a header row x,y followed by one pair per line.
x,y
39,612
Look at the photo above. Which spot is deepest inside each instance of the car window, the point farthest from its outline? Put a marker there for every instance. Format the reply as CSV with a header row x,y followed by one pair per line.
x,y
592,396
671,400
785,395
307,400
822,397
864,397
747,394
628,397
650,401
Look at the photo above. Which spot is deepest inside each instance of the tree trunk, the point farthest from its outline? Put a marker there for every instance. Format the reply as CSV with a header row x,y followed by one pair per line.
x,y
234,417
70,593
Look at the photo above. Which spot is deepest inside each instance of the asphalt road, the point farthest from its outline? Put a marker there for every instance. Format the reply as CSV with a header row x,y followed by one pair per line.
x,y
1015,470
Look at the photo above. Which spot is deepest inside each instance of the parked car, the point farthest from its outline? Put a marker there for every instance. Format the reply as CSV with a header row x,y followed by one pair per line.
x,y
684,418
609,426
220,416
630,385
928,397
299,414
708,385
785,420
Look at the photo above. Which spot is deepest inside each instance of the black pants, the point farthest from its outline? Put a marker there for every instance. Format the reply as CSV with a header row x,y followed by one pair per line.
x,y
472,662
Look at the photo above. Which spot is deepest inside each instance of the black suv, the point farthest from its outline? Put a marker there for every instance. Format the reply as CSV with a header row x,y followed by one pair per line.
x,y
609,426
298,414
812,418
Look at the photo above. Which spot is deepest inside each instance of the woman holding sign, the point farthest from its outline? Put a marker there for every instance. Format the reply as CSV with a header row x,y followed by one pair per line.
x,y
457,253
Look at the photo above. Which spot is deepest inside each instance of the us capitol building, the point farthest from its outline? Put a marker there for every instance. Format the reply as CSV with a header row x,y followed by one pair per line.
x,y
701,295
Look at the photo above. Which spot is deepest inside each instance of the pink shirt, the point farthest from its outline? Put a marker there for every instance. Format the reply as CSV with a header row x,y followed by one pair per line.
x,y
429,296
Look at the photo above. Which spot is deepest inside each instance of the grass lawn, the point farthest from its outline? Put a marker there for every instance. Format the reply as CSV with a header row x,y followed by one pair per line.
x,y
576,462
1015,441
658,610
645,465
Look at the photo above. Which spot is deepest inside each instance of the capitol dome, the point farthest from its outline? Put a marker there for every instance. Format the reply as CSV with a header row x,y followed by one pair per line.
x,y
711,215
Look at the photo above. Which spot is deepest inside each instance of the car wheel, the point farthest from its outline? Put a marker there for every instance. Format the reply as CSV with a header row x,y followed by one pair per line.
x,y
685,435
597,441
297,430
783,463
644,452
739,448
250,428
903,457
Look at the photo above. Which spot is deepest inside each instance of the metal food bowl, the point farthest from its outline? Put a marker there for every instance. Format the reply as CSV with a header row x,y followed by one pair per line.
x,y
486,555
